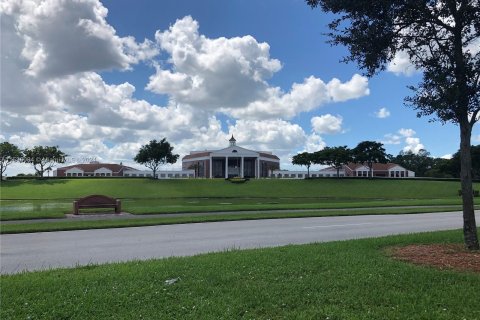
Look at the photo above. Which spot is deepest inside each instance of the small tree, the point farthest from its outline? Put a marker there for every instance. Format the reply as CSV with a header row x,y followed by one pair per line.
x,y
196,167
156,153
368,153
43,158
336,157
9,153
303,159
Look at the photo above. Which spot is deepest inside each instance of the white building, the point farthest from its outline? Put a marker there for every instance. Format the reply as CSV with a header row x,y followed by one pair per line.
x,y
233,161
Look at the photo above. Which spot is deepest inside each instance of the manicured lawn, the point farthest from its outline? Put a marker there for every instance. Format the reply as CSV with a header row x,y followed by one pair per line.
x,y
153,189
30,199
122,223
339,280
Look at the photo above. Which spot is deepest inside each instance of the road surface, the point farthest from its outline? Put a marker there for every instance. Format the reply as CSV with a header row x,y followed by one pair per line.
x,y
39,251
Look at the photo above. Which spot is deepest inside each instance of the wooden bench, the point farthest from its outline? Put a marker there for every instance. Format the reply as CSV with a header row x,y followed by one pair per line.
x,y
96,201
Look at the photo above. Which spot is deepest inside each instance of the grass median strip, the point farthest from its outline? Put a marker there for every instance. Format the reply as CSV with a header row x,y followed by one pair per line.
x,y
337,280
112,223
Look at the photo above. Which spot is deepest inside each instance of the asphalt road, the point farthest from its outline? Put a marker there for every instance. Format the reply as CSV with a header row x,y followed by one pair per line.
x,y
39,251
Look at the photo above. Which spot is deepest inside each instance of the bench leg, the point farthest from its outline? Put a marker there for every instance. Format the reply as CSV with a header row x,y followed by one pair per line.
x,y
118,206
75,207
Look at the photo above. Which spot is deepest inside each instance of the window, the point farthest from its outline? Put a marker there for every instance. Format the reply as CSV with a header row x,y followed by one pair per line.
x,y
300,175
108,174
397,174
69,174
162,175
126,175
314,175
392,174
402,174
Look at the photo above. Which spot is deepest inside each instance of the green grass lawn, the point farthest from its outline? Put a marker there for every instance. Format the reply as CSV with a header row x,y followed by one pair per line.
x,y
147,188
30,199
338,280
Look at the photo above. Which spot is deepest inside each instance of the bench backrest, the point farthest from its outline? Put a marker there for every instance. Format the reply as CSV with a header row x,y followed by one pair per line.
x,y
96,200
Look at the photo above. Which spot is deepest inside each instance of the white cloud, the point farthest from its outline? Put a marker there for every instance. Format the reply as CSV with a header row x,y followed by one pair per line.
x,y
314,143
407,132
476,138
213,73
66,37
392,139
382,113
412,143
401,65
447,156
230,75
354,88
328,124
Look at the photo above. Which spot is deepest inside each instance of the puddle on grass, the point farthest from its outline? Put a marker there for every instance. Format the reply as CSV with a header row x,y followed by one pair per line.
x,y
30,206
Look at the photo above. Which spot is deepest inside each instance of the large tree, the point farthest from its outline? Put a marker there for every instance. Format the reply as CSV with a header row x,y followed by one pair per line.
x,y
441,39
44,158
156,153
336,157
303,159
9,153
368,153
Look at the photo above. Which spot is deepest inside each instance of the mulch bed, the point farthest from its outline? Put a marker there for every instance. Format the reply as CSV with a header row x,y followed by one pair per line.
x,y
441,256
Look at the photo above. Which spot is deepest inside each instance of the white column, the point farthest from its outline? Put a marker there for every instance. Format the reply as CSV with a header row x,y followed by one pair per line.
x,y
226,167
258,167
241,166
211,166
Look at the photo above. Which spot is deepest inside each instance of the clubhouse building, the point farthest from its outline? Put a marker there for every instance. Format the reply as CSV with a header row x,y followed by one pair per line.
x,y
233,161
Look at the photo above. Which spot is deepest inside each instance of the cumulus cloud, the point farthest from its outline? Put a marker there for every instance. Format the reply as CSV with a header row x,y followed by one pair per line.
x,y
447,156
412,143
382,113
213,73
327,123
230,75
64,37
401,65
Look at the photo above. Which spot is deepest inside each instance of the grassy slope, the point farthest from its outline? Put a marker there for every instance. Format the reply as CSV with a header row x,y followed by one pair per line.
x,y
340,280
144,188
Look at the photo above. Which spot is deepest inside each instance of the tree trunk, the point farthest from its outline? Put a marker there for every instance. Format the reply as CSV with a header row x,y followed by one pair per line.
x,y
469,224
308,171
338,172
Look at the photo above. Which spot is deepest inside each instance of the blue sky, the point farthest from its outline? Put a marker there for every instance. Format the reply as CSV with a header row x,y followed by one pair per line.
x,y
99,79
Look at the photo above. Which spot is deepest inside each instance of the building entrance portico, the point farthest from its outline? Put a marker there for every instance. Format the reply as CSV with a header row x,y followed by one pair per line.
x,y
233,161
230,167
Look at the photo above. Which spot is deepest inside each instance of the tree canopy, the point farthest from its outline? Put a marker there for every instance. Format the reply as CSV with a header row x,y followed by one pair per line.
x,y
419,162
44,158
440,37
9,153
368,153
156,153
334,156
303,159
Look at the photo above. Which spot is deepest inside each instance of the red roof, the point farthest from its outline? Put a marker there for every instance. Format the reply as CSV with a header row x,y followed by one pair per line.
x,y
267,155
91,167
196,155
376,166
